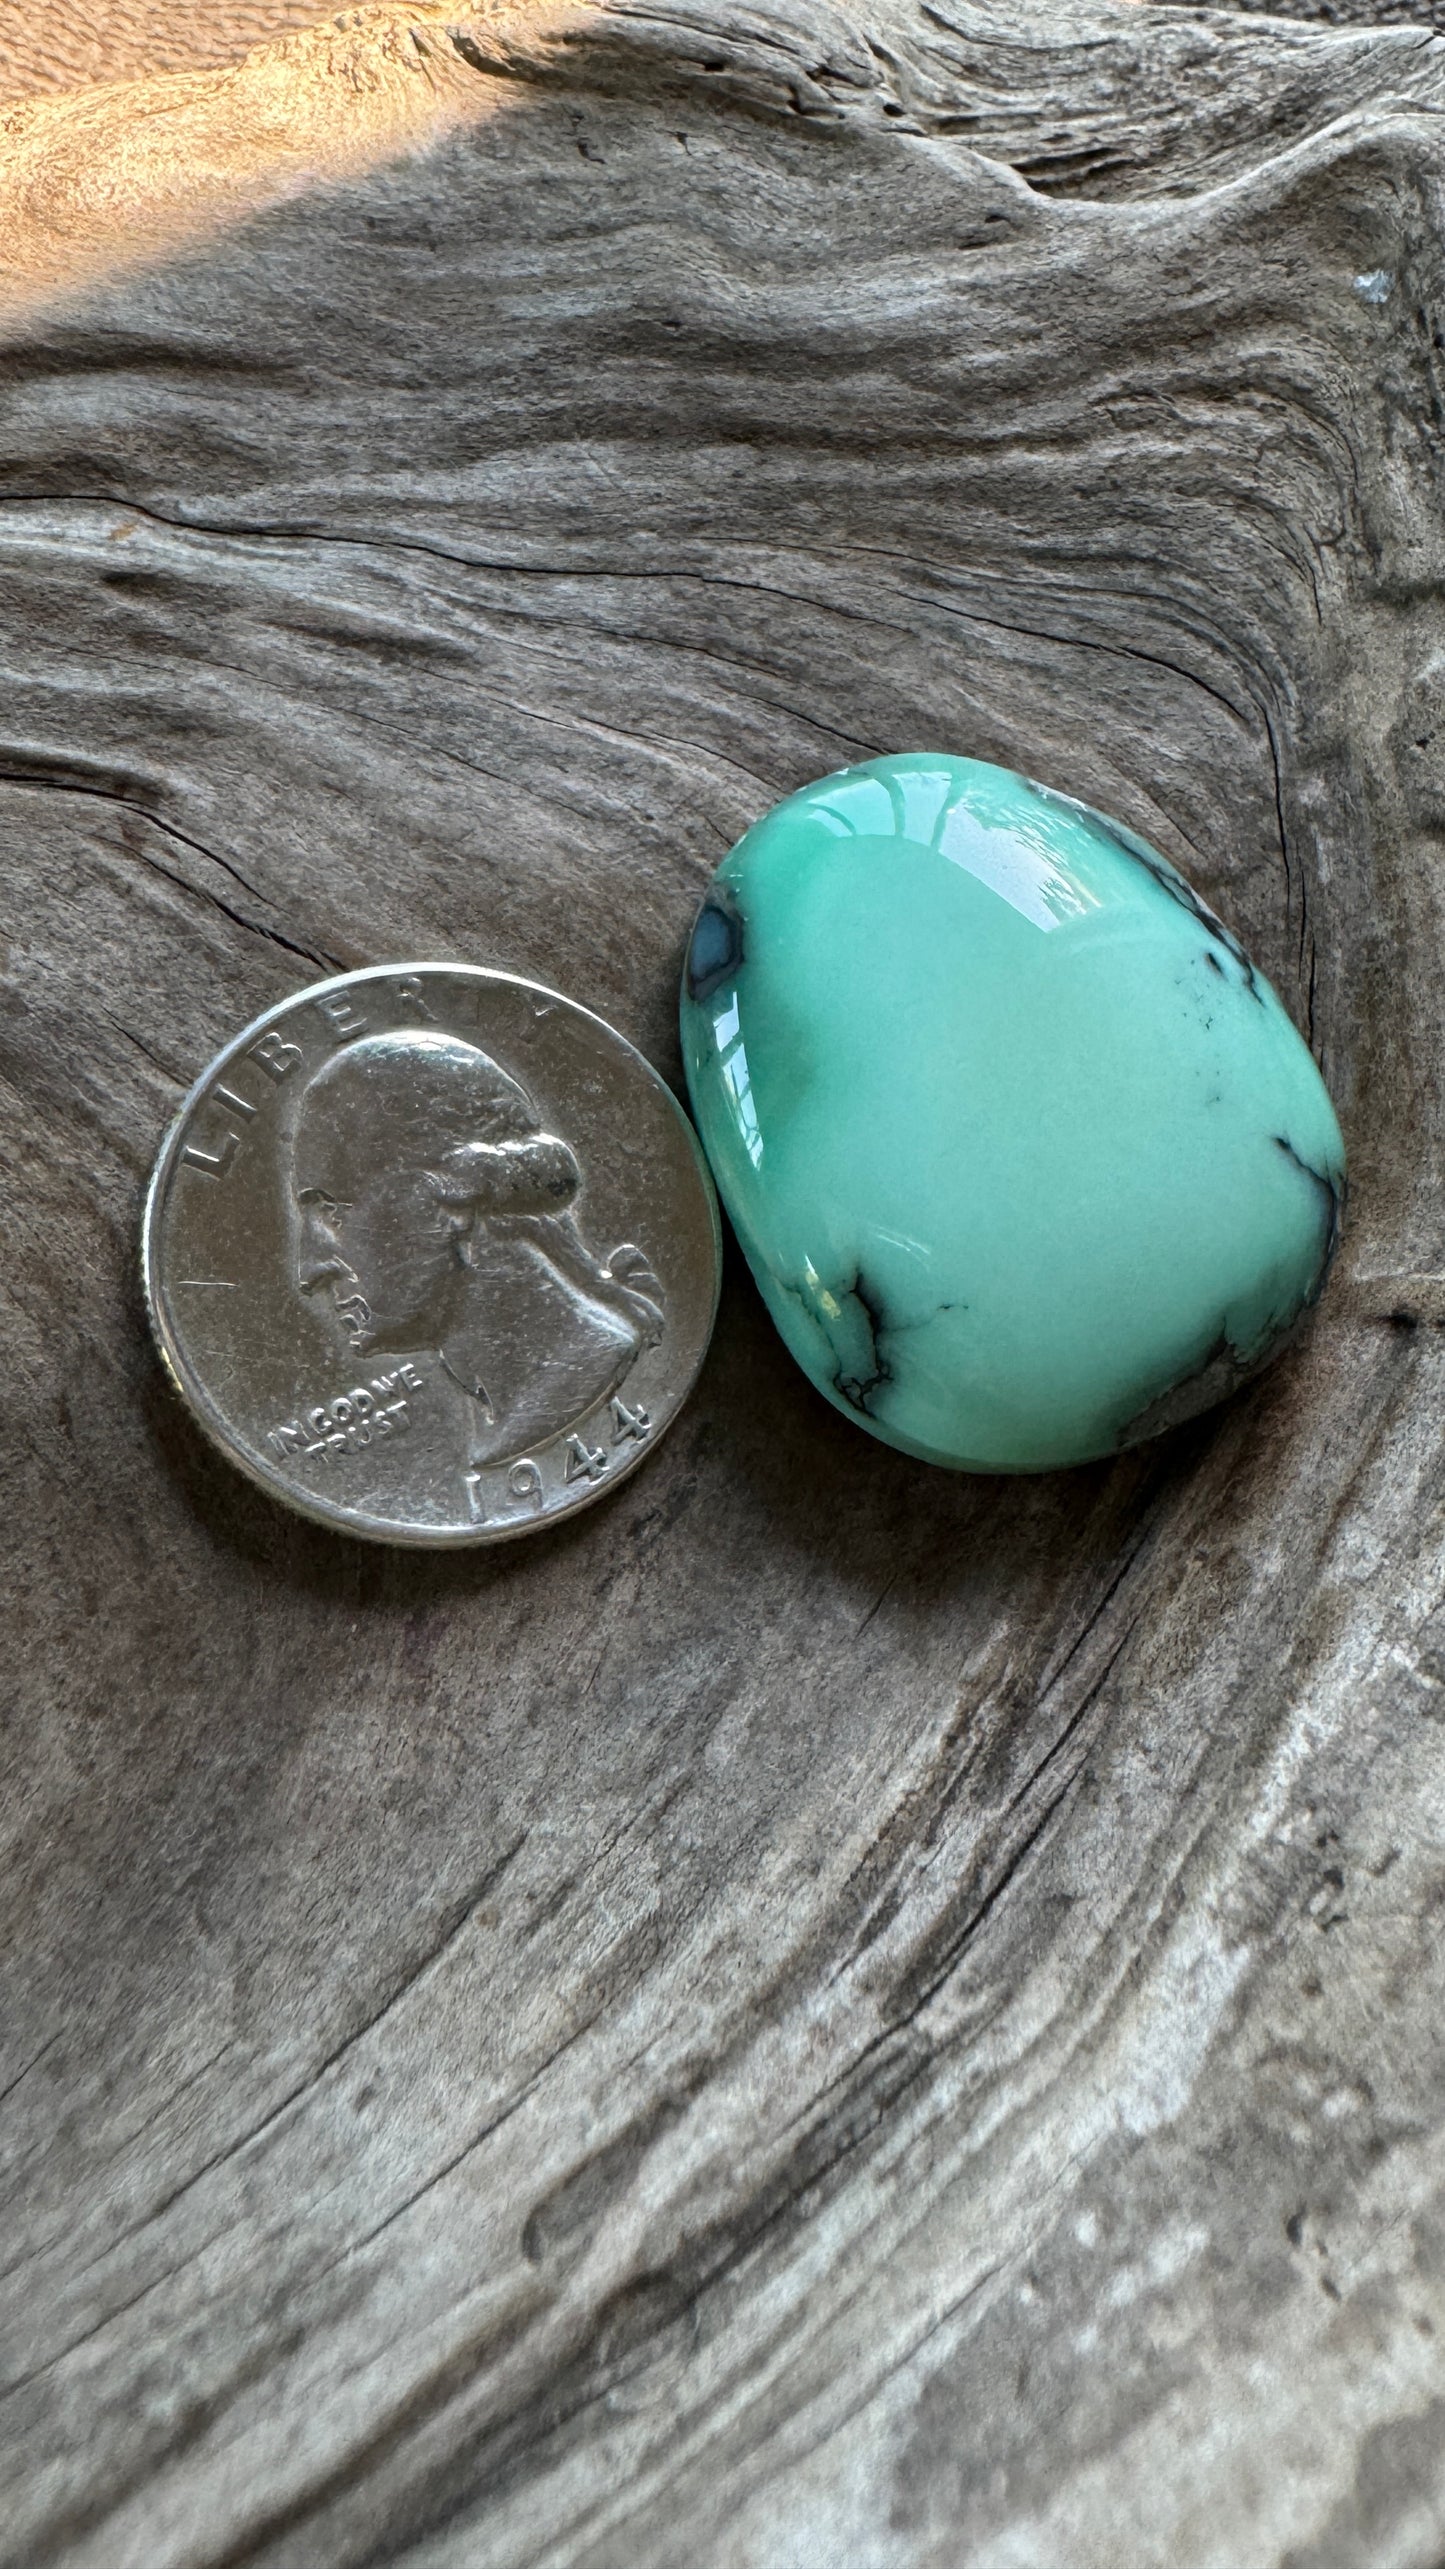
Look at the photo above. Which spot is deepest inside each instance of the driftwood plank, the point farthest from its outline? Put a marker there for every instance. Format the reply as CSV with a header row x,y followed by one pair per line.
x,y
828,2013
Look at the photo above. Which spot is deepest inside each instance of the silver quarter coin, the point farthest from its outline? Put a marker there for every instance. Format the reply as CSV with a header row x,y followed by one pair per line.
x,y
432,1253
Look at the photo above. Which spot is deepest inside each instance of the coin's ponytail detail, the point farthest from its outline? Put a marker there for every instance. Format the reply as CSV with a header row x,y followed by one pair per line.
x,y
525,1184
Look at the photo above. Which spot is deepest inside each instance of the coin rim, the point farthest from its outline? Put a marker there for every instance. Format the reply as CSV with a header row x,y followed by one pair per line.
x,y
192,1391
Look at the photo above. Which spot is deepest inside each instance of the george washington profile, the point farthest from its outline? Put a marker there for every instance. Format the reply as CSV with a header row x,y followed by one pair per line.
x,y
436,1212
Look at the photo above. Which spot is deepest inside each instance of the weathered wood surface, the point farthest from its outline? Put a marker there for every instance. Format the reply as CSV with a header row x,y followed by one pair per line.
x,y
65,43
828,2014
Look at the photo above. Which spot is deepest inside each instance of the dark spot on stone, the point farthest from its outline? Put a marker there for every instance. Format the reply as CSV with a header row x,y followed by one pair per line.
x,y
854,1320
1212,959
715,948
1331,1198
1218,1372
1169,879
1222,1369
861,1387
1294,2228
860,1383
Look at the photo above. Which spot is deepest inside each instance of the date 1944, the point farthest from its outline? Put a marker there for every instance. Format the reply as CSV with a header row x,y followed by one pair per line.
x,y
495,1497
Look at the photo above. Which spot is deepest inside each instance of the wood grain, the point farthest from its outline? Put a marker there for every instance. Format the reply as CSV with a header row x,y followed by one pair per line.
x,y
96,180
67,43
828,2013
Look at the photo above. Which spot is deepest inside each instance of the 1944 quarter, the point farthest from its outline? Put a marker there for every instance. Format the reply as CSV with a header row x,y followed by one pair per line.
x,y
432,1253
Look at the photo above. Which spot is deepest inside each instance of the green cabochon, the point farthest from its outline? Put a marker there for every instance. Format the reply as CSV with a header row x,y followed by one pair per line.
x,y
1027,1159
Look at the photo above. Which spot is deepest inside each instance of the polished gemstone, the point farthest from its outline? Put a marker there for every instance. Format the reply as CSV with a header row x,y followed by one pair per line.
x,y
1026,1157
